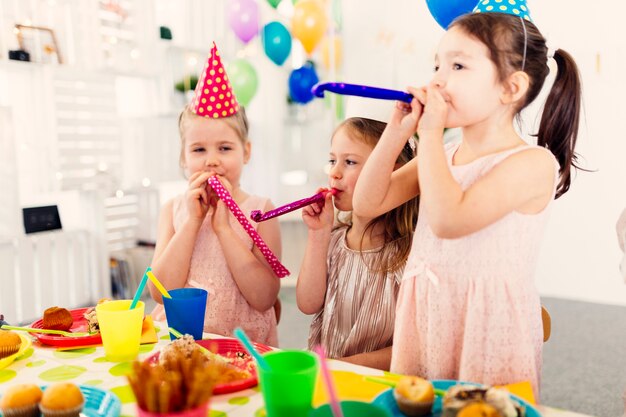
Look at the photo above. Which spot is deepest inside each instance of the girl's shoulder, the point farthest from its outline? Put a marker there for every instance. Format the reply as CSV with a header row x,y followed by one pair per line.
x,y
542,159
175,203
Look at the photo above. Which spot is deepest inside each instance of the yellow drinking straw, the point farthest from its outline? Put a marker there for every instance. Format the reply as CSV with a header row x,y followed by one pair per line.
x,y
158,285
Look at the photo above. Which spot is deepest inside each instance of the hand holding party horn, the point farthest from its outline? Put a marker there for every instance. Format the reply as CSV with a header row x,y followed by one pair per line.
x,y
259,216
361,91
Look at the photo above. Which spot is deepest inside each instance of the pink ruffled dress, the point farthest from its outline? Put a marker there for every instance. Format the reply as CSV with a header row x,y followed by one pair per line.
x,y
468,308
226,306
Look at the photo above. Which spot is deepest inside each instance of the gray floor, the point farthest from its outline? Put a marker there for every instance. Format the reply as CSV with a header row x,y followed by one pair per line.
x,y
584,361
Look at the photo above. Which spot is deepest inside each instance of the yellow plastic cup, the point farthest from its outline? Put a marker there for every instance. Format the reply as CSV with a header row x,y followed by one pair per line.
x,y
120,329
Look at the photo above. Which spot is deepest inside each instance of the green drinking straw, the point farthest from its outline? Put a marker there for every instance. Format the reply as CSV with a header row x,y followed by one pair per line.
x,y
243,338
140,288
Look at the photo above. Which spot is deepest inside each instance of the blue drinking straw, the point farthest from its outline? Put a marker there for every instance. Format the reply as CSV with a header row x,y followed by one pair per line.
x,y
140,288
241,335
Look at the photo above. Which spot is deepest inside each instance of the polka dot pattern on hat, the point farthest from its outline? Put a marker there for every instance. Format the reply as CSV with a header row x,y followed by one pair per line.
x,y
512,7
278,268
213,96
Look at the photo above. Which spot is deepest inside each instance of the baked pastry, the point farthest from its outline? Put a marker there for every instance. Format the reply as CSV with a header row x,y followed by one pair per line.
x,y
479,409
21,400
62,399
10,343
480,401
92,318
414,395
57,318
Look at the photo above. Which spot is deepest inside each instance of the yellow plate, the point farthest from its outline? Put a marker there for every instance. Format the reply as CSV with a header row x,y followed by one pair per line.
x,y
26,343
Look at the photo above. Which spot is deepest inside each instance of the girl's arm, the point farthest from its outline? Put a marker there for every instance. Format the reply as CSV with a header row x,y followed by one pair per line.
x,y
172,255
379,359
380,188
311,285
523,182
253,275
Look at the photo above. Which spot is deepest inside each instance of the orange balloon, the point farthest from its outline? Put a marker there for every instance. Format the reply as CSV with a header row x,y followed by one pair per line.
x,y
309,23
338,51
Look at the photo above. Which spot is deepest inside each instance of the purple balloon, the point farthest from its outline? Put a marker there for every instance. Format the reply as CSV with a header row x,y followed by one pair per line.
x,y
243,18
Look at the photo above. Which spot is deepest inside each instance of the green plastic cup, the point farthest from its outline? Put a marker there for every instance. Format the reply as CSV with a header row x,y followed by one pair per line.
x,y
351,409
288,385
120,329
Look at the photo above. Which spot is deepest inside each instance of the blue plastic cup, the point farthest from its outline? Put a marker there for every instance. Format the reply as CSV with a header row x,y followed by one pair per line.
x,y
185,311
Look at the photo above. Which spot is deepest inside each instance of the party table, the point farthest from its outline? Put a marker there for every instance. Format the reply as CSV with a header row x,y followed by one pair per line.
x,y
43,365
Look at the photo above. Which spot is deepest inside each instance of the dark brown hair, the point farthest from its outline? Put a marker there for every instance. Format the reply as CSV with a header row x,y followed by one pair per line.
x,y
398,223
238,122
506,37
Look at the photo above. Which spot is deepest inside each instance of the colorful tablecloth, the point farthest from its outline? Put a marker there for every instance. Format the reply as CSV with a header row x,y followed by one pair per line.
x,y
44,365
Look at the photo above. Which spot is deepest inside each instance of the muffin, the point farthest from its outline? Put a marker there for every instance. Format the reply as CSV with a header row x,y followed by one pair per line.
x,y
21,400
10,343
62,399
415,396
57,318
469,401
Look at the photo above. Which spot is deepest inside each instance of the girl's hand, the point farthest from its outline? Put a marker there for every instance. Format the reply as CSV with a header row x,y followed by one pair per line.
x,y
319,216
435,111
405,116
220,213
197,196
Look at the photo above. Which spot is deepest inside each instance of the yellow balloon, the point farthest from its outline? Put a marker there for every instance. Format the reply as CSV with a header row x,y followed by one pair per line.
x,y
338,51
309,23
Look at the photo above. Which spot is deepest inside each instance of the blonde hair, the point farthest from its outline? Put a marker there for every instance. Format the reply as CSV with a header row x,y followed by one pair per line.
x,y
238,122
398,223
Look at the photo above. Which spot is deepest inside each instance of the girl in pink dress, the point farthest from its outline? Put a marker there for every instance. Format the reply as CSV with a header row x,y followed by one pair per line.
x,y
200,243
468,308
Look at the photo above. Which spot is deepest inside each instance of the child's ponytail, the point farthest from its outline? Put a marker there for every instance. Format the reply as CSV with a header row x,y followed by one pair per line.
x,y
558,129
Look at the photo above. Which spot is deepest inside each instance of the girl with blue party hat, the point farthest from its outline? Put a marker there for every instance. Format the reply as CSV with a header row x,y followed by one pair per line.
x,y
467,307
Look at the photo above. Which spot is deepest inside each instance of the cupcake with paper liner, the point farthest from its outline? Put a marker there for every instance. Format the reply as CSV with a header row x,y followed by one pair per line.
x,y
414,396
57,318
10,343
469,401
21,400
62,399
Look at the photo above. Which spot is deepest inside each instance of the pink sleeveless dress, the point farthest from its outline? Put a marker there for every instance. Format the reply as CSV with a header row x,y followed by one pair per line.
x,y
226,306
468,308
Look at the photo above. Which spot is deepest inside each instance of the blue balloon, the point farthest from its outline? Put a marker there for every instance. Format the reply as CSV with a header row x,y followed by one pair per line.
x,y
445,11
301,81
276,42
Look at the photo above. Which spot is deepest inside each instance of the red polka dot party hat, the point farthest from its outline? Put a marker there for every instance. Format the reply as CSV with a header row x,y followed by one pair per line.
x,y
214,96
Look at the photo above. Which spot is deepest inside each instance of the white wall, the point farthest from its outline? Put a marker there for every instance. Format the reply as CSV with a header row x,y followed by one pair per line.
x,y
388,44
391,44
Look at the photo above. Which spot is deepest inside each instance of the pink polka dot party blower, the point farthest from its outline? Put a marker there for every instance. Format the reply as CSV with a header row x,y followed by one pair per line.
x,y
278,268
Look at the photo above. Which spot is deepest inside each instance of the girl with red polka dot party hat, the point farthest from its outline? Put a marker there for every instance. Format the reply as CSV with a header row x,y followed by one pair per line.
x,y
468,308
199,242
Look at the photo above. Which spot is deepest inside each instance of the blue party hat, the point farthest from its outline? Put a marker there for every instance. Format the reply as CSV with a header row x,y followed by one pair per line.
x,y
512,7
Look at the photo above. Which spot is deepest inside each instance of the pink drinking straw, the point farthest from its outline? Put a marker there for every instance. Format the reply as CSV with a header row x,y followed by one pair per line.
x,y
278,268
258,216
330,386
